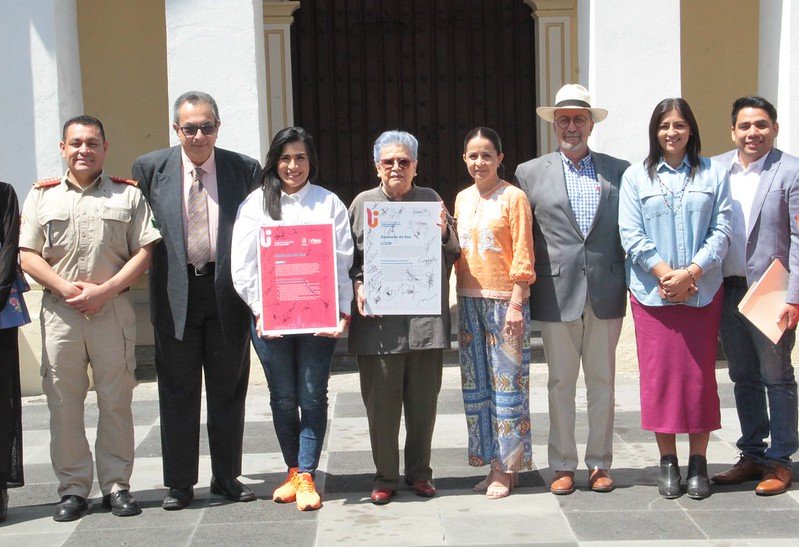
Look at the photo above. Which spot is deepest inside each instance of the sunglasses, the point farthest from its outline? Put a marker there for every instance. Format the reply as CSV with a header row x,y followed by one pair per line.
x,y
191,130
403,163
564,121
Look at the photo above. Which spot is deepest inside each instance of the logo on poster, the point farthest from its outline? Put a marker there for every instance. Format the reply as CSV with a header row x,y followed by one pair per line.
x,y
266,238
371,218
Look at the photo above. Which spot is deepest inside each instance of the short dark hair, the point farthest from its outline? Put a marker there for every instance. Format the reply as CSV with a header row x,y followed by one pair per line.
x,y
194,97
83,119
270,181
692,149
753,101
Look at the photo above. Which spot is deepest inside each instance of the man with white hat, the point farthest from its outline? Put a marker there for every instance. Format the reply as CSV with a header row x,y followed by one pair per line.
x,y
579,295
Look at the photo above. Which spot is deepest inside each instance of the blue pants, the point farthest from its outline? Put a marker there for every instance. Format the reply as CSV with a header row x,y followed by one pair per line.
x,y
297,368
765,387
495,374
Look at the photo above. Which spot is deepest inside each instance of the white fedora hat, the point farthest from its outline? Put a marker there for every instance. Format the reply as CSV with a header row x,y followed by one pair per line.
x,y
572,97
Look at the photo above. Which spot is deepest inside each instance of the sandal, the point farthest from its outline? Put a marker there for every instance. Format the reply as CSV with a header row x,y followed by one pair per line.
x,y
483,485
498,490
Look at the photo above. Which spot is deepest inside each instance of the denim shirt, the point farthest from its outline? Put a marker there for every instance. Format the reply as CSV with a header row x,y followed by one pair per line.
x,y
656,225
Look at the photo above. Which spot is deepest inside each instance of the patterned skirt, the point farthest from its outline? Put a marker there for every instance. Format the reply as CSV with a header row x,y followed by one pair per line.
x,y
495,375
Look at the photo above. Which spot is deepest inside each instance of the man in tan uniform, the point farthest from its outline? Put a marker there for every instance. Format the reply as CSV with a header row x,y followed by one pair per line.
x,y
85,238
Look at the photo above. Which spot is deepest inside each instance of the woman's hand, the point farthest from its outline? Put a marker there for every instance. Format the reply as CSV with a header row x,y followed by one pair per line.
x,y
443,221
514,322
360,298
343,323
260,332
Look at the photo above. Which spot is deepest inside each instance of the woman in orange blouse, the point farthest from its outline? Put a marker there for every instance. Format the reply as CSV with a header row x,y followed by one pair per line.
x,y
494,274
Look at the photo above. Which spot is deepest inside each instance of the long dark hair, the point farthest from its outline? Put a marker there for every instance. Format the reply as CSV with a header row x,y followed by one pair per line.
x,y
692,149
493,138
270,181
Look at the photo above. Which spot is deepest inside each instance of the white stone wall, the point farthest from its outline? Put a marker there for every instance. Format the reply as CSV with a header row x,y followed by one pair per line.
x,y
633,62
225,59
778,74
41,87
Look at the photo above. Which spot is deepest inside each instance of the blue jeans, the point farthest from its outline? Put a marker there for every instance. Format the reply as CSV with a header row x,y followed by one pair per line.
x,y
763,375
297,368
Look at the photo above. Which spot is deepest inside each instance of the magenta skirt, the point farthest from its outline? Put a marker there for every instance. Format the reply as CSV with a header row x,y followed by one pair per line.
x,y
677,364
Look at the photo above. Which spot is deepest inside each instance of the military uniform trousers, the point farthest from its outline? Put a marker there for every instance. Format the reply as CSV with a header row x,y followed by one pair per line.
x,y
70,341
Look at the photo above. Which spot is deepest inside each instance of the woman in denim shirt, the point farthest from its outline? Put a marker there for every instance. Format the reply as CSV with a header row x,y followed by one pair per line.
x,y
674,221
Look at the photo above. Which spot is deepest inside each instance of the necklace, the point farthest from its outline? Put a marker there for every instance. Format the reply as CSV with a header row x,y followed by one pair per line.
x,y
676,197
490,190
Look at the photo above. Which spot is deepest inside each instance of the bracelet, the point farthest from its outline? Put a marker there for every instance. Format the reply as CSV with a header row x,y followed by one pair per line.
x,y
515,305
693,277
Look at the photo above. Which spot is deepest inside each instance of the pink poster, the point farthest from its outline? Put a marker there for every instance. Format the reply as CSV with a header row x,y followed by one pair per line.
x,y
299,290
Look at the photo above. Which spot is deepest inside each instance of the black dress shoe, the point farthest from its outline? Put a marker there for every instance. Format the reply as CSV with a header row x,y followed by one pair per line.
x,y
697,481
669,477
232,489
70,508
3,504
121,503
178,498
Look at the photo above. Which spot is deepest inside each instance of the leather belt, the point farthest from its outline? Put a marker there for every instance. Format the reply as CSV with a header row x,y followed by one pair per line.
x,y
736,282
208,269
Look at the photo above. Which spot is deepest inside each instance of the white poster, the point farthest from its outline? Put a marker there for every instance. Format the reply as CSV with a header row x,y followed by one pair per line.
x,y
402,258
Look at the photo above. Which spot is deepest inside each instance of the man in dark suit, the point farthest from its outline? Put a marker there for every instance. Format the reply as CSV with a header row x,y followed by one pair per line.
x,y
764,185
579,293
200,322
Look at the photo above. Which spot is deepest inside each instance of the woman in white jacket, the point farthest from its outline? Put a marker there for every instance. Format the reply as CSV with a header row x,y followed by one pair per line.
x,y
297,366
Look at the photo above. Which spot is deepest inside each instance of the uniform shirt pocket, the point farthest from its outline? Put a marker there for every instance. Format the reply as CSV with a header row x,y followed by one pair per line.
x,y
114,222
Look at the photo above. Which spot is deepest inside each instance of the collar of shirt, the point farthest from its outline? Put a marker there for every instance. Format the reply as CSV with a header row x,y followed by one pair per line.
x,y
754,167
582,165
404,198
209,165
663,166
70,184
297,196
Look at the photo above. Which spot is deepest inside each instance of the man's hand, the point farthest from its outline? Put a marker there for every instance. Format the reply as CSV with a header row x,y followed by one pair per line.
x,y
90,299
789,314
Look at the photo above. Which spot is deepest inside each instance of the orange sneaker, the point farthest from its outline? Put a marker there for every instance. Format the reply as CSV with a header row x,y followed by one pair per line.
x,y
286,492
307,498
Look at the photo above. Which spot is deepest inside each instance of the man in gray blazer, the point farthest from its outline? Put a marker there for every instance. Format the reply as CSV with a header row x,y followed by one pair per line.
x,y
579,294
764,184
201,324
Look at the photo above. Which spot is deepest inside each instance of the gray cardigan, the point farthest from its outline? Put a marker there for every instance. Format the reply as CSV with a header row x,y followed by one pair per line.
x,y
400,333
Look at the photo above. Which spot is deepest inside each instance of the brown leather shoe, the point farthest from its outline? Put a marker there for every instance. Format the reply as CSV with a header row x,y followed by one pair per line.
x,y
562,483
745,469
776,481
600,481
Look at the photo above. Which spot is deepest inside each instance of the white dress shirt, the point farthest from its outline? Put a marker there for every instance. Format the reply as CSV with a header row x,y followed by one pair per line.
x,y
743,186
310,204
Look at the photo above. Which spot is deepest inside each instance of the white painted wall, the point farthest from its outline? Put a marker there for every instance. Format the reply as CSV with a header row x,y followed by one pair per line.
x,y
41,87
778,71
217,46
633,62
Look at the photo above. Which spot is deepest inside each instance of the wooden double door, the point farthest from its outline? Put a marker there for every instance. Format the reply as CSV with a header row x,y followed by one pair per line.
x,y
435,68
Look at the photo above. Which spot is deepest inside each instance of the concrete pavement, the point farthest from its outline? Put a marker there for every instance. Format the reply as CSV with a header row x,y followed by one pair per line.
x,y
634,514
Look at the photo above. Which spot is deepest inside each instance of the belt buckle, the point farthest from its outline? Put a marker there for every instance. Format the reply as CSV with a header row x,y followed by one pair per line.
x,y
200,272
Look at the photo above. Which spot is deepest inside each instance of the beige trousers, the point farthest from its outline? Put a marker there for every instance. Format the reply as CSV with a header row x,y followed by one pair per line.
x,y
70,341
593,342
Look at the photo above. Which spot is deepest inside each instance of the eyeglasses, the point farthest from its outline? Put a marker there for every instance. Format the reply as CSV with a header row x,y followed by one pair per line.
x,y
191,130
403,163
564,121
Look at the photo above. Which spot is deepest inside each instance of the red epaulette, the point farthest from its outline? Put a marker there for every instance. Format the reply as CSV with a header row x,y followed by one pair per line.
x,y
47,183
125,181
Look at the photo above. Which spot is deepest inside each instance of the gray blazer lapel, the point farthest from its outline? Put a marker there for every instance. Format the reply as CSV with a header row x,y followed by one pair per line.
x,y
170,188
557,182
766,179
